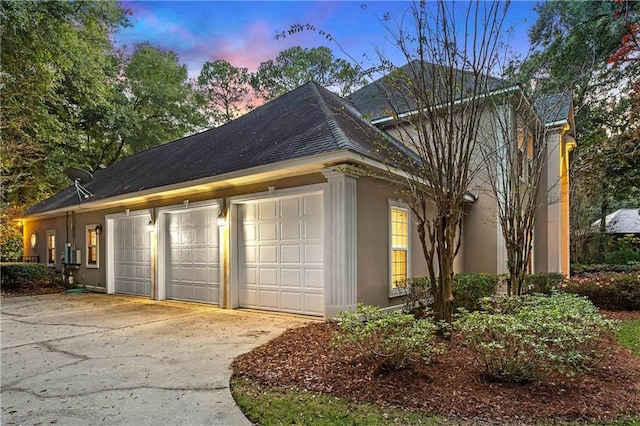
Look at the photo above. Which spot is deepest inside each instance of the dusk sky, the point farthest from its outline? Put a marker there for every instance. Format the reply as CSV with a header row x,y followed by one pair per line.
x,y
243,32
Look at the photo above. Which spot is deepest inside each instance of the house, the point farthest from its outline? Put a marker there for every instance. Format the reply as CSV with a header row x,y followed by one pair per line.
x,y
264,213
621,222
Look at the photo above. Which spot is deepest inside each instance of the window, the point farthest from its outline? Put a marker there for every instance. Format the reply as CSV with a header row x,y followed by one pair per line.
x,y
525,153
51,248
399,246
93,240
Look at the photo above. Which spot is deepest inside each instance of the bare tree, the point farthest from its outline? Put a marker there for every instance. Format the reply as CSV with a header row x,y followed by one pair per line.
x,y
515,157
437,102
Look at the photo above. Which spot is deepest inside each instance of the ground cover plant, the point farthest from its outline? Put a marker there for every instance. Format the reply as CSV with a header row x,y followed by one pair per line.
x,y
301,362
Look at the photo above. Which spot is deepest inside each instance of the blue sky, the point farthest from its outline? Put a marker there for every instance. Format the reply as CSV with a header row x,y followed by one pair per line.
x,y
243,32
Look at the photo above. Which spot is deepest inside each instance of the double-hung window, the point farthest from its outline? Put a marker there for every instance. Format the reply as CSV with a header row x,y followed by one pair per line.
x,y
93,240
51,248
399,246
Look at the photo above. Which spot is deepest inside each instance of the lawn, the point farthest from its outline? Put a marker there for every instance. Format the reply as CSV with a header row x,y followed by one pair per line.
x,y
629,335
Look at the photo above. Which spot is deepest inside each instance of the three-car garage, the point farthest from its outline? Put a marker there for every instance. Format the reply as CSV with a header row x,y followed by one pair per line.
x,y
275,253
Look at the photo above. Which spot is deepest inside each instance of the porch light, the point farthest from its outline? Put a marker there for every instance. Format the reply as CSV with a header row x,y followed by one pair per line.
x,y
151,226
222,220
34,239
98,229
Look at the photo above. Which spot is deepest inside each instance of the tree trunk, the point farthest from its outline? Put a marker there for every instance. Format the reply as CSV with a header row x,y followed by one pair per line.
x,y
604,207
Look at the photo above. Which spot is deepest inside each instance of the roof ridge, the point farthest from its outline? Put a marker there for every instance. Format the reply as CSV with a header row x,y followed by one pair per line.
x,y
336,131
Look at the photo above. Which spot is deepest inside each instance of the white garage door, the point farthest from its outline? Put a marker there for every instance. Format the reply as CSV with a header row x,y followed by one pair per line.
x,y
193,256
132,252
280,253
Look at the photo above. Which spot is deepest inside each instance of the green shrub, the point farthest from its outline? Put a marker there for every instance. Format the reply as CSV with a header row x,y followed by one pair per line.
x,y
386,340
579,269
614,291
417,296
522,339
16,275
468,289
545,283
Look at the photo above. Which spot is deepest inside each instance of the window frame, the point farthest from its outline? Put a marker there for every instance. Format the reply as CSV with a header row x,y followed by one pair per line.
x,y
50,233
88,229
398,205
524,153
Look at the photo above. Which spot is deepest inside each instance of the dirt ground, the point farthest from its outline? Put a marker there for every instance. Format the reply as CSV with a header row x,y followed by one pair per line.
x,y
452,386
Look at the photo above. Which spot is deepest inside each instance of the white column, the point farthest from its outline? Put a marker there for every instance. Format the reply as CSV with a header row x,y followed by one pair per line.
x,y
340,239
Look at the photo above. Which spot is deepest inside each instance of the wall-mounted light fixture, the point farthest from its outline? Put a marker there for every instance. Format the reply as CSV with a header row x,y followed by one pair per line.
x,y
185,203
151,226
34,239
98,229
222,216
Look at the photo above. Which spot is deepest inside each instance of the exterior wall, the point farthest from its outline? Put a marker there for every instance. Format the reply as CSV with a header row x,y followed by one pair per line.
x,y
373,244
96,277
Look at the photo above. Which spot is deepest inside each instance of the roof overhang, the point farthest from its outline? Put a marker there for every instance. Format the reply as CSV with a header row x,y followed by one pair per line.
x,y
280,170
390,119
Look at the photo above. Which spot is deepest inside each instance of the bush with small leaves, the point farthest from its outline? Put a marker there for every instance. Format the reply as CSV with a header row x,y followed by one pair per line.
x,y
417,296
523,339
468,289
16,275
544,283
386,340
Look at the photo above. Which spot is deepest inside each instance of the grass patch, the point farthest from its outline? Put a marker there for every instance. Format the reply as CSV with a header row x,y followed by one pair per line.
x,y
270,406
629,335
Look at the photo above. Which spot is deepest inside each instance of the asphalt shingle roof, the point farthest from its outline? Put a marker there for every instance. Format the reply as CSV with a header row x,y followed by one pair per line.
x,y
554,108
304,122
378,99
623,221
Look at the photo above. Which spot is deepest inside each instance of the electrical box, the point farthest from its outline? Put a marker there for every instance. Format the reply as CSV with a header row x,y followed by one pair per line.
x,y
72,257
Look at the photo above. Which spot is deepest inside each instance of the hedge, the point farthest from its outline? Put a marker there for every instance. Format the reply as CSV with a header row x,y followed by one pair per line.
x,y
613,291
16,275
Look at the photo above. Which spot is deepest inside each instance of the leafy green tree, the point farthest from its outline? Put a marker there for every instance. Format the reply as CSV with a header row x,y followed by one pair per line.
x,y
225,89
53,57
295,66
575,44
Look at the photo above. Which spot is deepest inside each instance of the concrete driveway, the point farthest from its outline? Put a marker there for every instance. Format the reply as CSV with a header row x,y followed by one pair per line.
x,y
105,359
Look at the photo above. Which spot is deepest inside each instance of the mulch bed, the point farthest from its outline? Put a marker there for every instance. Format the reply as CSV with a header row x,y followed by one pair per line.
x,y
30,291
302,359
621,315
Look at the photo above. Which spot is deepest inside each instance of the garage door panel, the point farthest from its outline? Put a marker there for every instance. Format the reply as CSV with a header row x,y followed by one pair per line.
x,y
249,298
290,278
313,229
313,254
289,248
290,208
269,299
192,255
312,204
291,302
132,262
314,279
268,254
267,210
268,276
314,303
290,253
268,231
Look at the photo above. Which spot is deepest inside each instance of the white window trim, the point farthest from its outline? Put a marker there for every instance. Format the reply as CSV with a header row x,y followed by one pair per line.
x,y
87,228
397,204
51,232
